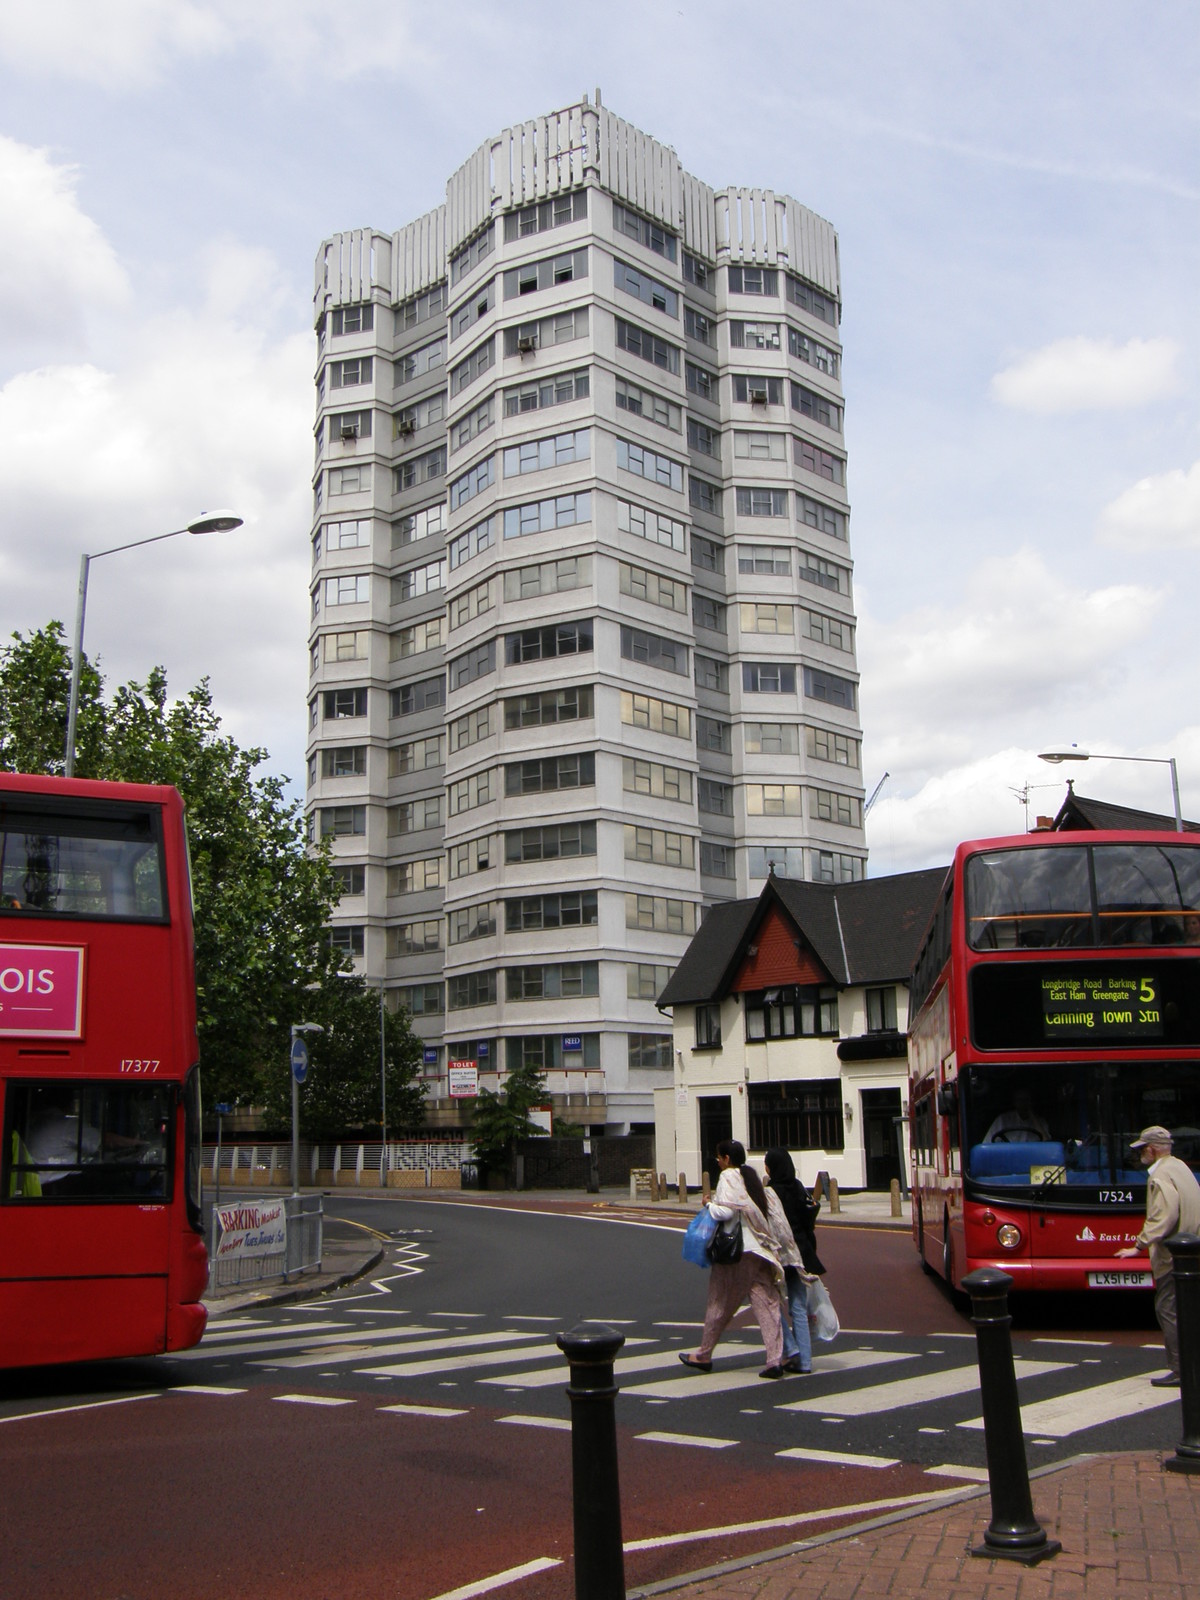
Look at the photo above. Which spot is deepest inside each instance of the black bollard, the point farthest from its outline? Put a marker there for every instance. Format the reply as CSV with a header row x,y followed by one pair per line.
x,y
1185,1258
1014,1533
599,1556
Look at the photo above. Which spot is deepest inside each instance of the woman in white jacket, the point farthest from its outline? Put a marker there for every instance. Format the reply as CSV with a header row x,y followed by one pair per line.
x,y
758,1276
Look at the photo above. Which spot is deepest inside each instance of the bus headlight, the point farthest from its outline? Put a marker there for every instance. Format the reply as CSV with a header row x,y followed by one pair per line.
x,y
1008,1236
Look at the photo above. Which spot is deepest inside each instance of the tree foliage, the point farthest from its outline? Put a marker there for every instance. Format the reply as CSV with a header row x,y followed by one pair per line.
x,y
501,1119
262,899
342,1091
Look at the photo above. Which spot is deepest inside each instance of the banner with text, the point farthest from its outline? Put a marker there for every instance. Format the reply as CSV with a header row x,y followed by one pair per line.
x,y
247,1230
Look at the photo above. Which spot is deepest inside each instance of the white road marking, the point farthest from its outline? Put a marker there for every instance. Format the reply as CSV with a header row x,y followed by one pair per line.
x,y
539,1422
693,1439
972,1474
202,1388
1100,1344
836,1458
547,1377
1088,1408
795,1521
440,1341
264,1330
499,1579
312,1400
721,1379
90,1405
928,1387
426,1411
483,1358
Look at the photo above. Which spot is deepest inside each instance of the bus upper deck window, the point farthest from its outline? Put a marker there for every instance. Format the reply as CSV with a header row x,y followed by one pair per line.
x,y
74,864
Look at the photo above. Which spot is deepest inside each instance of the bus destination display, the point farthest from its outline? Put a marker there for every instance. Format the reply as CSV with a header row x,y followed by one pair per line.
x,y
1097,1005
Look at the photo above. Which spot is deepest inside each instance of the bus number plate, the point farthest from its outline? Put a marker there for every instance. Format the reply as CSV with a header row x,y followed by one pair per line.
x,y
1120,1280
134,1064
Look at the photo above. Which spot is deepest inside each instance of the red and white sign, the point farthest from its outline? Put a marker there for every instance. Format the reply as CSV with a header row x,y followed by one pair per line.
x,y
41,991
248,1229
464,1079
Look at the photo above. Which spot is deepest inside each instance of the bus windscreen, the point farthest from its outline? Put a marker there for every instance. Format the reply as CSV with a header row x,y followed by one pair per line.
x,y
79,863
1098,896
1060,1125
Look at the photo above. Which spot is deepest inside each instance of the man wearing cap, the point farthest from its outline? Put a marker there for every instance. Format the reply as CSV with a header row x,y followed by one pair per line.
x,y
1172,1206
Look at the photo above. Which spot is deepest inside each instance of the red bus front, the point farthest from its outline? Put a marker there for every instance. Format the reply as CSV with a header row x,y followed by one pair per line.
x,y
101,1243
1059,1018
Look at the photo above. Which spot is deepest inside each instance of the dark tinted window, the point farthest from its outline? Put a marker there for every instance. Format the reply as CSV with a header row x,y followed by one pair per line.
x,y
72,863
75,1142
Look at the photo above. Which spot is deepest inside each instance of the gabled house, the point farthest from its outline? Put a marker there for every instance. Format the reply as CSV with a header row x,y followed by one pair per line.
x,y
789,1015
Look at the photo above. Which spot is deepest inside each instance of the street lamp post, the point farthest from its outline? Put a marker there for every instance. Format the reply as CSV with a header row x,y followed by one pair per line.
x,y
211,522
1072,752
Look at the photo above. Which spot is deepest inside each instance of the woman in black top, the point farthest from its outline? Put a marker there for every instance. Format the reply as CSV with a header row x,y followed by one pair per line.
x,y
801,1212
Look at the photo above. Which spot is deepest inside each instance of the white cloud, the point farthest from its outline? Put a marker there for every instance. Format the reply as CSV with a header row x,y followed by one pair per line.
x,y
116,44
1160,512
1019,634
1088,375
205,410
123,44
55,263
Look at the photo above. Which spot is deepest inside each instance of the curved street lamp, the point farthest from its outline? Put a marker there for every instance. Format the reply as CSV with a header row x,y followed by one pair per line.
x,y
1072,752
210,522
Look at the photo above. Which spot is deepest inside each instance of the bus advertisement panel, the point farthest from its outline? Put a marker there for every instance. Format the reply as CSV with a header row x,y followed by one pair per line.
x,y
1056,1013
101,1244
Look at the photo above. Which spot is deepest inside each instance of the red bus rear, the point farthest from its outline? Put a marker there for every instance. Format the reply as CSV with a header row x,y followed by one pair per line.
x,y
1056,1012
101,1239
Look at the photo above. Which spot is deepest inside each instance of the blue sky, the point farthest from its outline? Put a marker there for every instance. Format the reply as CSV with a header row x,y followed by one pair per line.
x,y
1017,193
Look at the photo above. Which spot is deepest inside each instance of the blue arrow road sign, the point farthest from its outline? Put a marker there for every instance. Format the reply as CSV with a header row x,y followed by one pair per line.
x,y
299,1060
223,1108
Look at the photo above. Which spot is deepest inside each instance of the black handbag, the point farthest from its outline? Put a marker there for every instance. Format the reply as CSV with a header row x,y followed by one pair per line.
x,y
725,1246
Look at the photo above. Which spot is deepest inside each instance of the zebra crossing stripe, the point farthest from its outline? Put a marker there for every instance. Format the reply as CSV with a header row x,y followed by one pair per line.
x,y
226,1336
928,1387
389,1345
559,1423
546,1377
1072,1413
723,1379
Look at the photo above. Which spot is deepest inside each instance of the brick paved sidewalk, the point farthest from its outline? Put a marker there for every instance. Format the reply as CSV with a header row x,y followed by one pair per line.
x,y
1128,1530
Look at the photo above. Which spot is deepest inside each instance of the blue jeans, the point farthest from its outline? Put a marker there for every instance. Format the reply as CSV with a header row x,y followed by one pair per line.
x,y
797,1340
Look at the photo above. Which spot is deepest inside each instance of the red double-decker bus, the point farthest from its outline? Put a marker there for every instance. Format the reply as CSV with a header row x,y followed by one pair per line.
x,y
1055,1012
101,1239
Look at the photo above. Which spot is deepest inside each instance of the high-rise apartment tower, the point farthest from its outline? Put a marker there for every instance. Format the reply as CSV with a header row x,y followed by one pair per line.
x,y
582,644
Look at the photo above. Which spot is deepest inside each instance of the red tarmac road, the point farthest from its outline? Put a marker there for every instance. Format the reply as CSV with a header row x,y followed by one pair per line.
x,y
246,1497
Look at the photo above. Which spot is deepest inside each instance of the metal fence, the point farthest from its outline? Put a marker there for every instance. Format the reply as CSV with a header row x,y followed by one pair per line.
x,y
304,1243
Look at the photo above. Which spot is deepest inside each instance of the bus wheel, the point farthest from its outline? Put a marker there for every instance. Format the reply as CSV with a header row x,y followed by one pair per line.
x,y
947,1251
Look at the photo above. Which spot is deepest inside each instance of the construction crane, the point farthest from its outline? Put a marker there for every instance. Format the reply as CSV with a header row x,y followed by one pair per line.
x,y
875,793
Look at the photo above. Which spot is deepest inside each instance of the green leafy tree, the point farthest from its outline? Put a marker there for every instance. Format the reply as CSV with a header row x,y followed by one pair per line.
x,y
35,691
342,1091
501,1119
262,899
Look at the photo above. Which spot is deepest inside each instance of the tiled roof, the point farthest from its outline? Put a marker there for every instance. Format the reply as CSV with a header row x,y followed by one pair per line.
x,y
865,932
1077,812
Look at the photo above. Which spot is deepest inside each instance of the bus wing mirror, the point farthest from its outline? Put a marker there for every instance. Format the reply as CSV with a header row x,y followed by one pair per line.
x,y
947,1100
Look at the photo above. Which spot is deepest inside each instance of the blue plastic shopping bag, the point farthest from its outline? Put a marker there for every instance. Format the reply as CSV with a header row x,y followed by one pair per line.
x,y
695,1241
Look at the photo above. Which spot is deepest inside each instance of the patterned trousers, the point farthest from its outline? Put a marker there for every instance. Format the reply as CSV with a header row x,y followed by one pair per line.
x,y
728,1289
